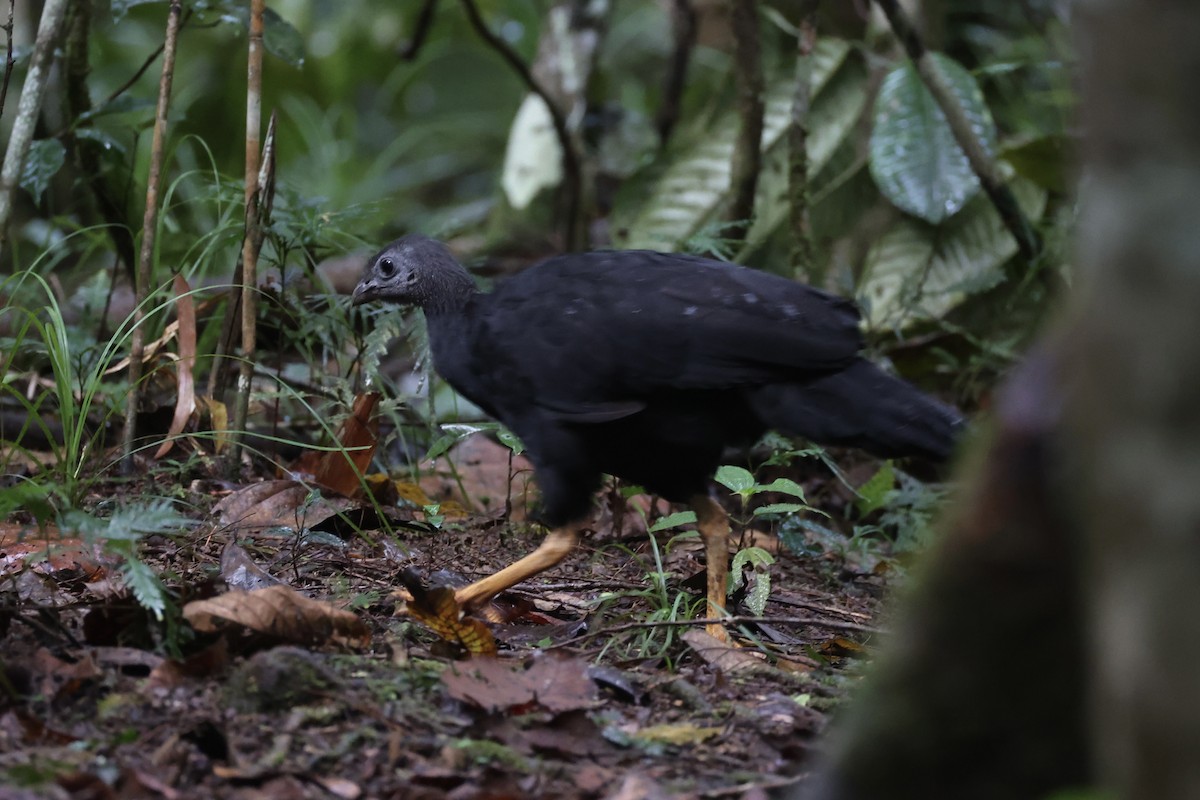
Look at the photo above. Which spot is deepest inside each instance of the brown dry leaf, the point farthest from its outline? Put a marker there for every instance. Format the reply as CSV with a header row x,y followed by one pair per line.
x,y
277,504
48,551
61,678
239,571
185,403
438,609
281,612
212,660
718,653
340,470
556,683
339,787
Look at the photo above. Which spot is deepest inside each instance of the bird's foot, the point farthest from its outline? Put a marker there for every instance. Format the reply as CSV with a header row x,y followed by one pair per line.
x,y
718,632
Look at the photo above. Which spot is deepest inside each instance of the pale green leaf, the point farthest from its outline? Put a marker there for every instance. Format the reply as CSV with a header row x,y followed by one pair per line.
x,y
915,158
45,159
917,271
673,521
874,493
736,479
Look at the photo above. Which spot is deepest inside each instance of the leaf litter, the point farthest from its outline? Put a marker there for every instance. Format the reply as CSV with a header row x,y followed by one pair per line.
x,y
296,666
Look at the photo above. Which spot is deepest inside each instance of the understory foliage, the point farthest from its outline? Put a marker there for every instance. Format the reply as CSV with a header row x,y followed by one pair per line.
x,y
449,140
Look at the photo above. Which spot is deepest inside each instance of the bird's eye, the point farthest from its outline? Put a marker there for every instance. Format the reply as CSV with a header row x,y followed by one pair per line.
x,y
387,267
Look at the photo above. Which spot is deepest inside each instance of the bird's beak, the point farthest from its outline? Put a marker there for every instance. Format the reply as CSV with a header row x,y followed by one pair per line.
x,y
364,292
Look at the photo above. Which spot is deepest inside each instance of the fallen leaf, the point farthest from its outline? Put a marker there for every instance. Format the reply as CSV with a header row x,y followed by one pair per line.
x,y
554,682
841,647
680,734
719,654
438,609
239,571
341,470
277,504
61,678
281,612
185,403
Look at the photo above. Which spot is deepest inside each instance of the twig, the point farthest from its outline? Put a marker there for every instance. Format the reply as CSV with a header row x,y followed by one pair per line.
x,y
747,151
851,627
420,31
572,177
9,61
981,163
683,21
799,202
32,95
252,240
149,228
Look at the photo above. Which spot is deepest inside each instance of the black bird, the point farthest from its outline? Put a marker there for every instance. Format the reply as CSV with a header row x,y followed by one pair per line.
x,y
647,366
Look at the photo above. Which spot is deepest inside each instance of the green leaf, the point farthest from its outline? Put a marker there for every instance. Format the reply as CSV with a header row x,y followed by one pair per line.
x,y
144,584
452,434
760,592
915,159
917,271
753,557
510,440
673,521
736,479
45,159
784,485
282,40
874,493
26,496
691,191
780,508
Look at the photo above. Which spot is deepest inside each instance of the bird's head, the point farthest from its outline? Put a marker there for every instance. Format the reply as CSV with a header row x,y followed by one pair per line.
x,y
418,271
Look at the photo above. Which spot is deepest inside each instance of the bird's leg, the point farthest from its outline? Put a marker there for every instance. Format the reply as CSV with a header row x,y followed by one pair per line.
x,y
553,549
714,530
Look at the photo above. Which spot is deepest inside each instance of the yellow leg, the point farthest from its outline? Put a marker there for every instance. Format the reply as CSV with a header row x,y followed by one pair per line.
x,y
714,530
553,549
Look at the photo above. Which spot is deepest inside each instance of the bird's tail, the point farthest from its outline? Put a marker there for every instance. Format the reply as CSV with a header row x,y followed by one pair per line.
x,y
862,406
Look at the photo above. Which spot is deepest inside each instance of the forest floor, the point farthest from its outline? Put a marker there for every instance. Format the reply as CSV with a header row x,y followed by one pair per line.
x,y
304,676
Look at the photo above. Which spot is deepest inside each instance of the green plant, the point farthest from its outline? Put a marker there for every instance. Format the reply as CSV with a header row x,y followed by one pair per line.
x,y
666,606
120,533
78,385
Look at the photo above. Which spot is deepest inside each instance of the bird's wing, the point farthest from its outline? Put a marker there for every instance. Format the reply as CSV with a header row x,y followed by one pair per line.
x,y
593,337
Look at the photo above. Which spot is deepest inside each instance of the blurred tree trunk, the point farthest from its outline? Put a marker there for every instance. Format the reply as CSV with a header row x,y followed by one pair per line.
x,y
1052,640
1135,410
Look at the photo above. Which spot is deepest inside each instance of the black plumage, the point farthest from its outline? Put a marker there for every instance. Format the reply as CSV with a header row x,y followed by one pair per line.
x,y
648,365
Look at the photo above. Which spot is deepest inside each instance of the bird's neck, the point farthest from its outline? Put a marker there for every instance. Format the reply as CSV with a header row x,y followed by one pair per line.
x,y
453,293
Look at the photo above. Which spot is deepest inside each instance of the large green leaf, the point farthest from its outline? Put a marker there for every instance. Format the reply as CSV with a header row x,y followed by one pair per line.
x,y
917,271
914,156
697,182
